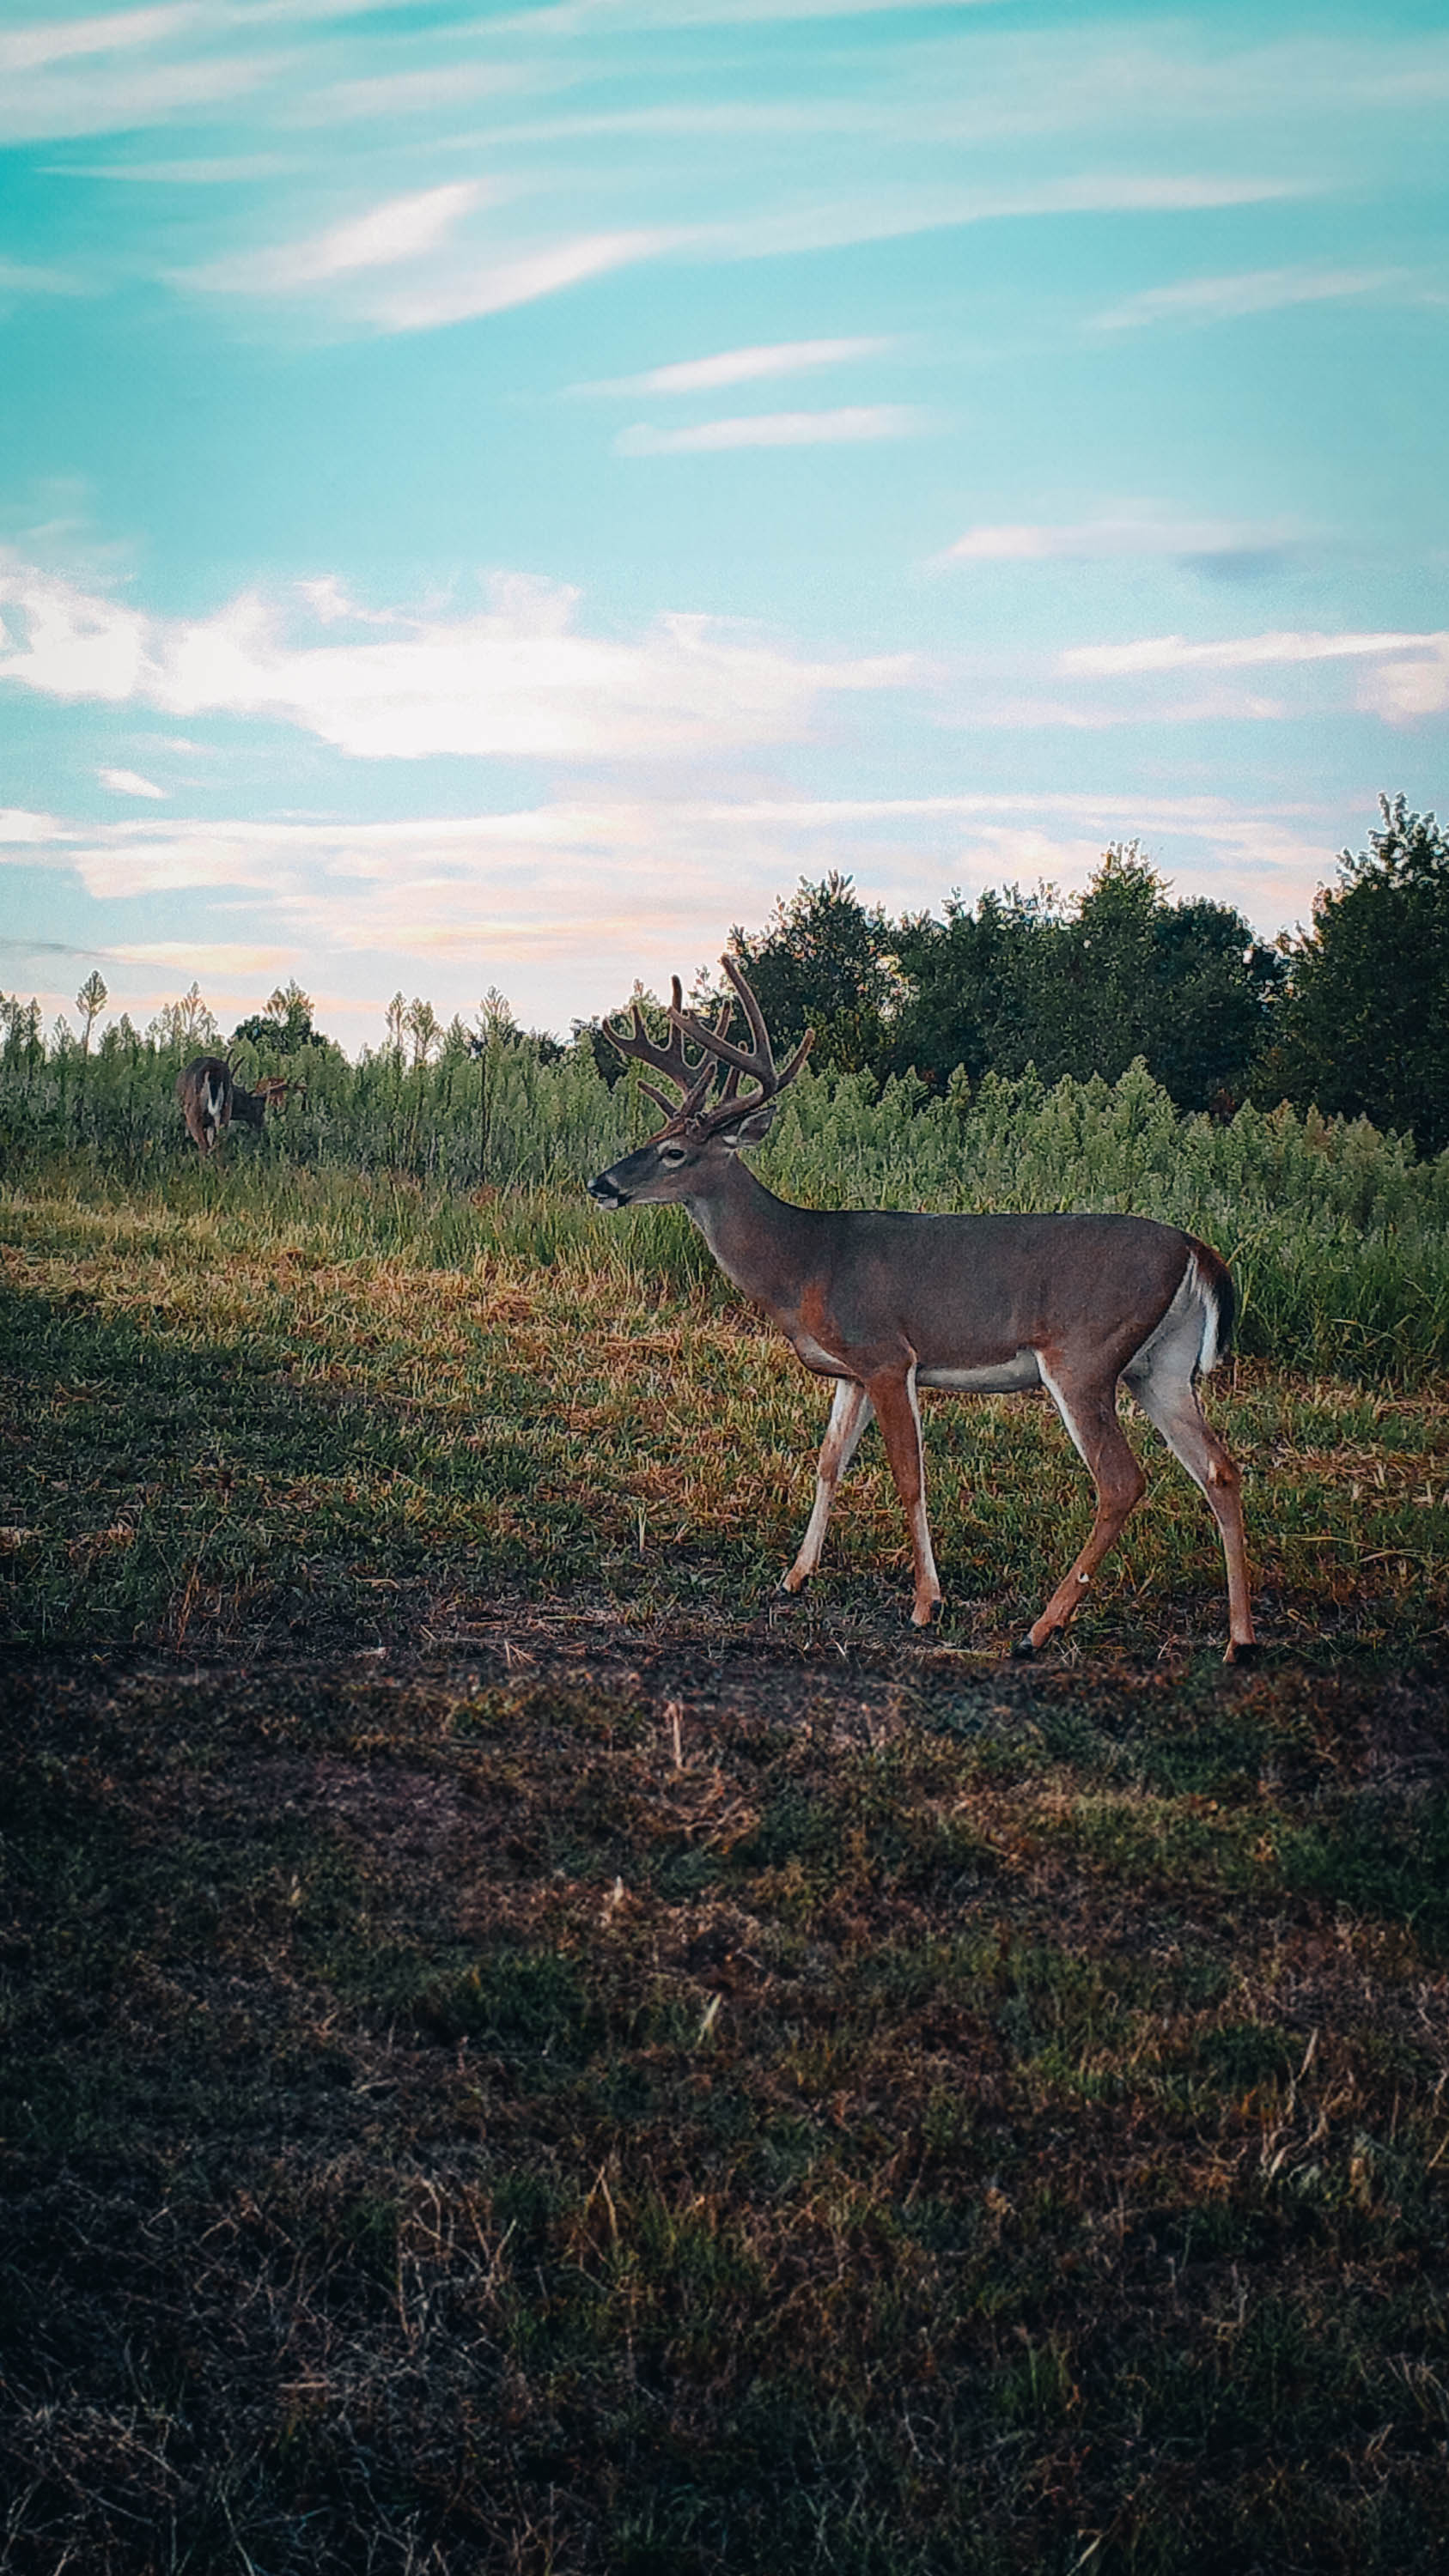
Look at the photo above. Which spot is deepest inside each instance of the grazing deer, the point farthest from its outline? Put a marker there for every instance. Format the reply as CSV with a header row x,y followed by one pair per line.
x,y
886,1303
211,1097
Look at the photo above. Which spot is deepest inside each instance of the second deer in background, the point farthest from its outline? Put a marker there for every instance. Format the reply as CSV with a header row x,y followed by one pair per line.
x,y
211,1097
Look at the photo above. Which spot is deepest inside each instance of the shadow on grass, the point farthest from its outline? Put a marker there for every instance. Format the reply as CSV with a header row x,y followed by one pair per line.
x,y
190,1492
710,2116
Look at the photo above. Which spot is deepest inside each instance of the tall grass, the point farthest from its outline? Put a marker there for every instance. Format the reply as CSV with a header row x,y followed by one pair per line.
x,y
1338,1237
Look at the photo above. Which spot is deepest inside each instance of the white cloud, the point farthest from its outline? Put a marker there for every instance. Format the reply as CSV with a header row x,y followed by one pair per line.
x,y
1240,652
778,429
1413,684
387,96
741,366
400,228
54,104
1401,676
33,48
128,782
77,645
1137,533
576,897
23,831
515,680
205,957
892,213
1261,290
469,289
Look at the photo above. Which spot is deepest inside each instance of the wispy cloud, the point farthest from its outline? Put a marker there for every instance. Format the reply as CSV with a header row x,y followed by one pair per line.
x,y
128,782
573,896
35,48
213,170
1259,290
19,277
1238,652
597,17
741,366
400,228
108,100
206,957
1405,675
778,429
1410,684
388,97
1145,532
887,213
469,289
515,681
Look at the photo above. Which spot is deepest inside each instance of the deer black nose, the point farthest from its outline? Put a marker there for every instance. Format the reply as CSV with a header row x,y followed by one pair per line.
x,y
604,1192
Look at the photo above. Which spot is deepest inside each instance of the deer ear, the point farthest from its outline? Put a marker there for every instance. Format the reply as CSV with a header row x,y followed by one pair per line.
x,y
753,1129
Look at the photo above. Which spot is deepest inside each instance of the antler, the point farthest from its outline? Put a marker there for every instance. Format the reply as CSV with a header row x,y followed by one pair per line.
x,y
696,1079
693,1080
757,1061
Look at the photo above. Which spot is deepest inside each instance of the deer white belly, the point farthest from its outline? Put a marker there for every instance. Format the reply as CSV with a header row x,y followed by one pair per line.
x,y
815,1356
1003,1377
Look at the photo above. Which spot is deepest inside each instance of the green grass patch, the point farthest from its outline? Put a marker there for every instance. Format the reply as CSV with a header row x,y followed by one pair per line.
x,y
521,2051
220,1427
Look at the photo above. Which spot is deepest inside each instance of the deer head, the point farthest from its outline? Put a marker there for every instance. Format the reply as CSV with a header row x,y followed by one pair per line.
x,y
689,1153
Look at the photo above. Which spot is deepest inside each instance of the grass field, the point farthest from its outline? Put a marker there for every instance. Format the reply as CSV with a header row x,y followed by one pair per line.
x,y
526,2051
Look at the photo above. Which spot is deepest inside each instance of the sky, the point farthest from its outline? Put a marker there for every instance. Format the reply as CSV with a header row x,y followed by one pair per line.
x,y
493,497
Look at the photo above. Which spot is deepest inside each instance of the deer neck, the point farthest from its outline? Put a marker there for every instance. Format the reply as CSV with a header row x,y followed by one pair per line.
x,y
754,1236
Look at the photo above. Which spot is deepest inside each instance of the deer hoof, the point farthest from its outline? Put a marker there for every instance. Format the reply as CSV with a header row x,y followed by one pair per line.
x,y
1243,1650
1022,1651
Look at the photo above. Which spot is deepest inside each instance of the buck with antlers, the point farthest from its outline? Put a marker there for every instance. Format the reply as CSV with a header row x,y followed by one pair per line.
x,y
211,1097
885,1304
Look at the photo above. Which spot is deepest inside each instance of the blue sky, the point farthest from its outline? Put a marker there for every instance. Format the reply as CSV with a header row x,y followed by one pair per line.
x,y
494,496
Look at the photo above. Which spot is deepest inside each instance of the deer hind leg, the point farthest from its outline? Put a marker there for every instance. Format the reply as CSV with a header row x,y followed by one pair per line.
x,y
1090,1415
849,1415
894,1396
1169,1398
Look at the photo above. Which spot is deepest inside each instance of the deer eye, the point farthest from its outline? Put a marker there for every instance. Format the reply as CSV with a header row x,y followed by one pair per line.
x,y
672,1154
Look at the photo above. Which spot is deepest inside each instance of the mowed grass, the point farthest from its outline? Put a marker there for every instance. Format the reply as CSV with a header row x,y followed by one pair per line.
x,y
222,1427
523,2052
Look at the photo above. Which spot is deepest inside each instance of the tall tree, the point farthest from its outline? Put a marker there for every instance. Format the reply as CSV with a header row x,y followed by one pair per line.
x,y
1084,987
187,1023
90,1001
1365,1022
285,1025
825,961
424,1028
965,982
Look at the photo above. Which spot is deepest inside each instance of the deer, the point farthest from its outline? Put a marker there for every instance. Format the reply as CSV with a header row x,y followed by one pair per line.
x,y
211,1097
885,1302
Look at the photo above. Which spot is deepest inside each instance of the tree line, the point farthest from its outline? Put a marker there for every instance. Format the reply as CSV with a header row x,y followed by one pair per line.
x,y
1349,1016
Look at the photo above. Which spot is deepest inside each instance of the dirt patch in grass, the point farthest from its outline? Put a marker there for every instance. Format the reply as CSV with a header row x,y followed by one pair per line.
x,y
559,2093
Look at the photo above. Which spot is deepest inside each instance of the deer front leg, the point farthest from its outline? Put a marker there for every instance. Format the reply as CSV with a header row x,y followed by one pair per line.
x,y
849,1415
893,1395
